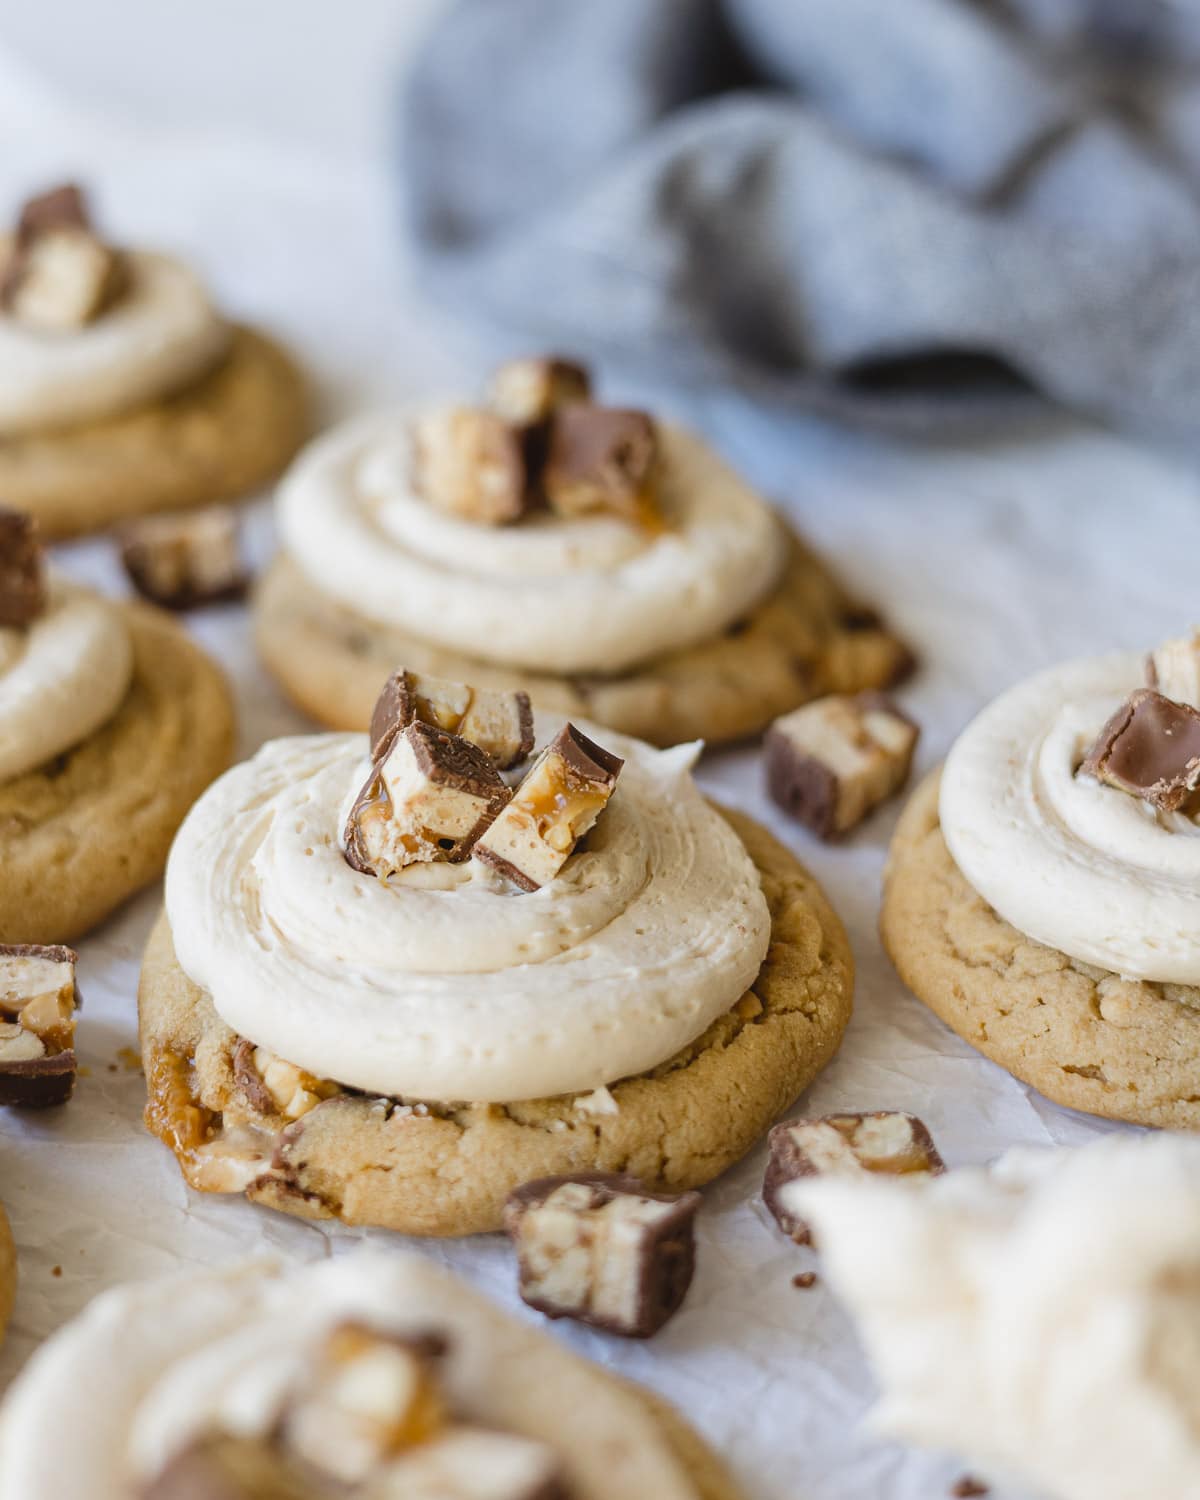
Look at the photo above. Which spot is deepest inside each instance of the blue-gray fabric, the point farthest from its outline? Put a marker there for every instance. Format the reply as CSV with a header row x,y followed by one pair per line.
x,y
823,199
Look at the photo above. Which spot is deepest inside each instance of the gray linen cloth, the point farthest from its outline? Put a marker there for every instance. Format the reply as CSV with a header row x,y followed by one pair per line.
x,y
903,209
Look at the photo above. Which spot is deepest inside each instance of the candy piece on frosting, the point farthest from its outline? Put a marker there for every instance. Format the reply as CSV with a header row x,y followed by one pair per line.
x,y
59,275
600,458
470,462
38,1002
1174,669
601,1250
429,797
527,392
1149,748
184,561
888,1141
832,762
22,571
500,723
564,792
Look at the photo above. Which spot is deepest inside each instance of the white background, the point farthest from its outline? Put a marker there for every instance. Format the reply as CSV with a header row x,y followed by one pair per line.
x,y
253,137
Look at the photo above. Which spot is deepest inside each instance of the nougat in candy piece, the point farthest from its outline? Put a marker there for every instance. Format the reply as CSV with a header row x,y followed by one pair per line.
x,y
600,1249
1150,749
565,791
501,723
1174,669
471,463
527,392
38,1003
888,1142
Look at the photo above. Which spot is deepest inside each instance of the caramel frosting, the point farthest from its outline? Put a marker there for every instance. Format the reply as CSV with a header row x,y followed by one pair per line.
x,y
445,982
161,335
590,593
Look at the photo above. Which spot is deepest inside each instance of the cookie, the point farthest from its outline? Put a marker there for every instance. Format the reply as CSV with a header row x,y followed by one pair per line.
x,y
83,832
216,440
446,1170
1080,1035
805,640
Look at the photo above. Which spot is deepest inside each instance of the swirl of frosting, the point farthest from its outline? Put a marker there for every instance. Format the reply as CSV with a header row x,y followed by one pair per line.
x,y
1080,866
161,335
61,678
592,594
443,983
220,1348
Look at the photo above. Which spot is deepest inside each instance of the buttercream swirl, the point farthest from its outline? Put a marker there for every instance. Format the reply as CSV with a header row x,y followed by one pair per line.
x,y
1080,866
162,334
61,678
591,594
443,983
220,1348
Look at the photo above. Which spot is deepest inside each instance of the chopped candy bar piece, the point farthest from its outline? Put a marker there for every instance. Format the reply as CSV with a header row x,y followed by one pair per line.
x,y
184,561
59,275
500,723
1150,748
428,797
1174,669
601,459
471,463
38,1003
272,1086
473,1463
888,1142
22,572
833,761
526,392
565,791
599,1249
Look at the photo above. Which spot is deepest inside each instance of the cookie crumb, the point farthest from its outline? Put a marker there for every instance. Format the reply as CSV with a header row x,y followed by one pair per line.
x,y
112,1067
804,1280
56,1270
968,1487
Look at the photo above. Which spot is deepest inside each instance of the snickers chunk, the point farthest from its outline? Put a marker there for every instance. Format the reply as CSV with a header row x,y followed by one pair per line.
x,y
471,463
429,797
888,1141
565,791
602,1251
499,723
38,1003
22,570
1150,749
832,762
601,459
271,1086
1174,669
185,561
528,392
60,275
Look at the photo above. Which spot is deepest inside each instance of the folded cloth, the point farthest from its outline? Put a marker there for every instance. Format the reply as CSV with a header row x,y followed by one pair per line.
x,y
908,209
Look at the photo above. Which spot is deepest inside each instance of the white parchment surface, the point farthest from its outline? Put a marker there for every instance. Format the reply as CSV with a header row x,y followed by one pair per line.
x,y
994,560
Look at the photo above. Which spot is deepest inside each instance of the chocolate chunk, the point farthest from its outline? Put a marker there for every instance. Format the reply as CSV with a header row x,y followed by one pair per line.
x,y
185,561
527,392
888,1142
63,207
601,1250
471,463
832,762
59,274
38,1004
1150,748
22,570
601,459
499,723
429,797
565,791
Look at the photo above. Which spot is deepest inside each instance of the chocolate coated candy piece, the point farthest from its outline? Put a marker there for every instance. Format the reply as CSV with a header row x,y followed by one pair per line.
x,y
22,572
1150,748
1174,669
565,791
831,762
473,1463
182,562
500,723
527,392
63,207
59,275
233,1468
600,458
599,1249
38,1001
471,463
429,797
888,1142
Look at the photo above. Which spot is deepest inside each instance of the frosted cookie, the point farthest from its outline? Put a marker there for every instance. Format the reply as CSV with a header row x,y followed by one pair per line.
x,y
609,564
363,1378
122,389
392,983
1043,893
111,724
